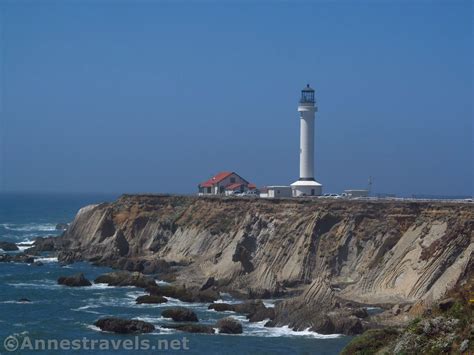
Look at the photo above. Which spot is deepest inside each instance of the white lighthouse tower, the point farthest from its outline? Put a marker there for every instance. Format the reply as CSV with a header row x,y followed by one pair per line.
x,y
306,185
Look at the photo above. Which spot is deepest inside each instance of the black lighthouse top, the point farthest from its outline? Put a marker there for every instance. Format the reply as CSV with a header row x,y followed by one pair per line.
x,y
307,95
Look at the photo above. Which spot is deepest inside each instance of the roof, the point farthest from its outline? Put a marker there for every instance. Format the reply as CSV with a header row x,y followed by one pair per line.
x,y
233,186
216,178
252,186
310,183
307,88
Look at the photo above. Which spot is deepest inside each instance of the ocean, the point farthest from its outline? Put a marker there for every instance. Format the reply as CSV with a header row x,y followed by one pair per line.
x,y
61,319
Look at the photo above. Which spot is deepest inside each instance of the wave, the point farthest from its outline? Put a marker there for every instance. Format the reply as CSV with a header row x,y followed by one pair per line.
x,y
30,227
98,286
92,327
259,329
17,302
86,309
47,260
45,284
227,301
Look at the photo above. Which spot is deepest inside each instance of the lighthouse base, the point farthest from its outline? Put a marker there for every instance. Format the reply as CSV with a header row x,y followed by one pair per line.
x,y
306,187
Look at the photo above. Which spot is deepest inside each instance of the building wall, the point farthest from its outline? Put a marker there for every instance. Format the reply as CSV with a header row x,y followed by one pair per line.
x,y
279,191
357,193
307,191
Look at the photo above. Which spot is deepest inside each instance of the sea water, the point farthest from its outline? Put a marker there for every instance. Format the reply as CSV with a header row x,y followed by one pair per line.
x,y
58,313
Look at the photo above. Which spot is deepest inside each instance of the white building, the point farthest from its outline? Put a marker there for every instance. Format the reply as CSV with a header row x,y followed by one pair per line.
x,y
306,184
278,191
357,193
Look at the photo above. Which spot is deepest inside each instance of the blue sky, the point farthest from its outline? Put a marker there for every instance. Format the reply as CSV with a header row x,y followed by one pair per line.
x,y
154,96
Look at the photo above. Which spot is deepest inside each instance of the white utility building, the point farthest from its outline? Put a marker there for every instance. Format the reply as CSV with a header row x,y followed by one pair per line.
x,y
306,185
278,191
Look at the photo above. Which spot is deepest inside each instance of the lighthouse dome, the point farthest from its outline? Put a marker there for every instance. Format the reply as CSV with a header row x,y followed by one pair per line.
x,y
307,95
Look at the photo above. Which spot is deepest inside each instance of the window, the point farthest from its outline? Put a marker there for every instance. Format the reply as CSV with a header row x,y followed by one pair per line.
x,y
208,190
232,180
312,192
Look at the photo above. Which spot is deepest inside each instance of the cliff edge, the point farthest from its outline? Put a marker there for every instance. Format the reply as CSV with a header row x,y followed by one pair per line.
x,y
319,255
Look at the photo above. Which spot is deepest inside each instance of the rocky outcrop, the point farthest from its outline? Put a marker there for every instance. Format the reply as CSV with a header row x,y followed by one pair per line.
x,y
124,326
229,325
149,299
254,310
180,314
321,253
77,280
43,244
191,328
8,246
443,328
183,294
124,278
17,258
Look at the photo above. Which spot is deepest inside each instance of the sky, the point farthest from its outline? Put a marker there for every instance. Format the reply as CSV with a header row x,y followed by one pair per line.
x,y
158,96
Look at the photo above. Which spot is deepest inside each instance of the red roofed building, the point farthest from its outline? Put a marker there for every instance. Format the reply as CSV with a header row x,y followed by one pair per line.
x,y
226,182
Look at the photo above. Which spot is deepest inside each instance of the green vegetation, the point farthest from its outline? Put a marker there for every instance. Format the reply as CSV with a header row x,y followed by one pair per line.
x,y
370,342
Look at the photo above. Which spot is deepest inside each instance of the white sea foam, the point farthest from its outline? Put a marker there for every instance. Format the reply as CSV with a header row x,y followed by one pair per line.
x,y
259,329
153,320
92,327
17,302
227,301
270,303
29,227
46,284
25,244
98,286
47,260
86,309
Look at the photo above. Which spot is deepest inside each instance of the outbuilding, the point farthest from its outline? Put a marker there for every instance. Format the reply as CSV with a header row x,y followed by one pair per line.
x,y
277,191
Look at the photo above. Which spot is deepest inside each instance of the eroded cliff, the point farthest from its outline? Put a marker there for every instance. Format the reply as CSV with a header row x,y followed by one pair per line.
x,y
323,253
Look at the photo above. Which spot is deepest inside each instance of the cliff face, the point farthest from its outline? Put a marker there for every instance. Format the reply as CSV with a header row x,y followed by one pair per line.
x,y
323,250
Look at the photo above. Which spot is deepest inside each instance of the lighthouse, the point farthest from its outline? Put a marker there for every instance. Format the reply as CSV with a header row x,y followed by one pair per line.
x,y
306,184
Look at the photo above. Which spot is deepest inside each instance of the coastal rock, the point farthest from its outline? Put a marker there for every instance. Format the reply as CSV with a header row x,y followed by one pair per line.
x,y
77,280
446,304
221,307
191,328
24,300
209,283
62,226
151,299
249,307
124,278
229,326
180,314
254,310
180,293
38,263
43,244
124,326
316,254
8,246
183,294
261,314
17,258
207,295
